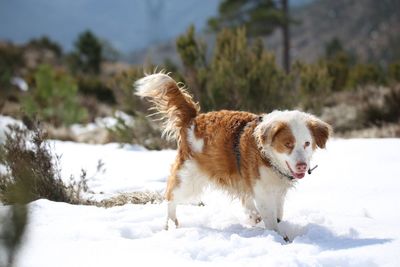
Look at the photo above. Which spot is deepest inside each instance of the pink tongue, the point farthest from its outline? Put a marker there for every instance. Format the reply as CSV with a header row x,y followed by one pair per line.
x,y
299,175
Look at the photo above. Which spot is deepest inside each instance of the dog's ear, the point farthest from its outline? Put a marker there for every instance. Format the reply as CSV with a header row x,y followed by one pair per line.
x,y
320,131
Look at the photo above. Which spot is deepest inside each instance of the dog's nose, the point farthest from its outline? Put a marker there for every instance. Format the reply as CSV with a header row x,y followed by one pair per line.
x,y
301,167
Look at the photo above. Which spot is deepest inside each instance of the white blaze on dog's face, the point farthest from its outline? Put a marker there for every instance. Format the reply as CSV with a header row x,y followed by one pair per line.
x,y
289,138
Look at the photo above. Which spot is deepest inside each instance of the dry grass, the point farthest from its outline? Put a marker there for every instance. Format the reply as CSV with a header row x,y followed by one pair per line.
x,y
387,130
131,198
371,111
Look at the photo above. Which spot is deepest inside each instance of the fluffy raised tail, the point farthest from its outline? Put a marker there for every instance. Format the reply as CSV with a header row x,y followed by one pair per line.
x,y
172,102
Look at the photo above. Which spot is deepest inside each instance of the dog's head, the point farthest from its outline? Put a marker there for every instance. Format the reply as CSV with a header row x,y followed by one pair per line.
x,y
289,138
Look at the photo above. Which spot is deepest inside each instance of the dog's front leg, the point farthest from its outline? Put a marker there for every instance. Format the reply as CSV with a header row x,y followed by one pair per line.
x,y
251,210
267,208
270,205
266,203
280,205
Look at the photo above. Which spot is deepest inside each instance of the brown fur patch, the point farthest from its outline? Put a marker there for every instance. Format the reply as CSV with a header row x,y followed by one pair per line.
x,y
282,138
217,159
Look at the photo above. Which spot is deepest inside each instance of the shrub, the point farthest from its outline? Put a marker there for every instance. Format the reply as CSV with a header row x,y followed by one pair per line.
x,y
193,55
140,130
394,72
338,68
92,86
388,110
122,86
365,74
240,74
32,172
313,84
54,98
45,42
10,60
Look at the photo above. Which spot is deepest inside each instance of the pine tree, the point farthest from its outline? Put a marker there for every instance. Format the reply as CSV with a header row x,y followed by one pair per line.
x,y
88,53
260,17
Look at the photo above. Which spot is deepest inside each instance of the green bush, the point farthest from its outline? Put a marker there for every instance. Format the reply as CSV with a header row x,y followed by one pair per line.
x,y
240,74
122,87
93,86
191,50
193,56
394,72
140,131
313,84
54,98
338,68
365,74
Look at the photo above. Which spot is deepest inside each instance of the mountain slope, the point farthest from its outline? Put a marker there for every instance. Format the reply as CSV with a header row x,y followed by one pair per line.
x,y
368,29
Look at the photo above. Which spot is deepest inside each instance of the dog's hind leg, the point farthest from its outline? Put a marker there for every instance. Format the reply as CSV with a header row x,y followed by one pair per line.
x,y
171,198
185,184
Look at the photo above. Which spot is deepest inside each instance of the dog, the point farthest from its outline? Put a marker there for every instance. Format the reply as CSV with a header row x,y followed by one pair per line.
x,y
255,158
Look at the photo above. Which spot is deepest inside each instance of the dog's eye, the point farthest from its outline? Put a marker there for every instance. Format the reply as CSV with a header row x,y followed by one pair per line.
x,y
289,145
306,144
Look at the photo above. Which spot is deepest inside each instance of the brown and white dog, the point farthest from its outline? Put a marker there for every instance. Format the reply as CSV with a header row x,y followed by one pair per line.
x,y
254,158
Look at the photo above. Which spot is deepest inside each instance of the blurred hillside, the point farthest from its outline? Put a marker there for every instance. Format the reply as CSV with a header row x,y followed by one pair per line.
x,y
368,29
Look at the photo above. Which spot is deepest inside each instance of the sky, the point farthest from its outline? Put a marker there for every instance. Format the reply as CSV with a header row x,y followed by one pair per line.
x,y
128,25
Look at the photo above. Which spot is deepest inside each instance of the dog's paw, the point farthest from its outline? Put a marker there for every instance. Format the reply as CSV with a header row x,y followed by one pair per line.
x,y
254,219
286,239
175,221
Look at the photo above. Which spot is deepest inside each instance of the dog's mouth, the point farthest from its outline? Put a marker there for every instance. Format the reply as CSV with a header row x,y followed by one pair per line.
x,y
297,175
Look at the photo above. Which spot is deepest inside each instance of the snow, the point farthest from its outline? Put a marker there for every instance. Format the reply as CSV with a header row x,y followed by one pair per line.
x,y
344,214
20,83
6,121
126,168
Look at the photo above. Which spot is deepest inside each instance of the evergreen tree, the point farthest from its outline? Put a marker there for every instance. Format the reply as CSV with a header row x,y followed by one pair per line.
x,y
260,17
88,53
239,75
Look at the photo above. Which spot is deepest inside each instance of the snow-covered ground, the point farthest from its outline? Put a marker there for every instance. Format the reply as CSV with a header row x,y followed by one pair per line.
x,y
344,214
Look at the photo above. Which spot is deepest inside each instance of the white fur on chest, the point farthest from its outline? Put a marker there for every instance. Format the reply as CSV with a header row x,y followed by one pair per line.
x,y
271,181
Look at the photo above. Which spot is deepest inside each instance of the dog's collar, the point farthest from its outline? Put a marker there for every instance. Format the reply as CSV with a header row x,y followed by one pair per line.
x,y
281,173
